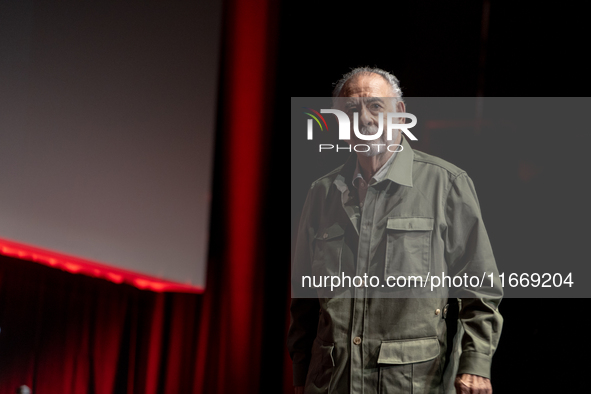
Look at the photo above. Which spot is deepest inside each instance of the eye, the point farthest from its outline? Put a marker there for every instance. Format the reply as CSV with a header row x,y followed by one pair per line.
x,y
376,106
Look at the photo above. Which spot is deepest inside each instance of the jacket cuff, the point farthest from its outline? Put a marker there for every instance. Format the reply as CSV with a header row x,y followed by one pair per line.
x,y
475,364
300,371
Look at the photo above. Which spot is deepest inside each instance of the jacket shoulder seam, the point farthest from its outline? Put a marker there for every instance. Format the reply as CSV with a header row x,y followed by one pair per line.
x,y
452,179
448,170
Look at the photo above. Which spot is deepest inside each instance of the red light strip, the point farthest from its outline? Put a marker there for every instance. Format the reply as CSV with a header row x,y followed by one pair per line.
x,y
77,265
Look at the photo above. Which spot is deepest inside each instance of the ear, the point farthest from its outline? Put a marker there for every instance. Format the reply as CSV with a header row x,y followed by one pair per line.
x,y
400,108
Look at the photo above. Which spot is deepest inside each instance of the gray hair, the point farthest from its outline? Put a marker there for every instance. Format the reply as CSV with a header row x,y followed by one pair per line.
x,y
390,78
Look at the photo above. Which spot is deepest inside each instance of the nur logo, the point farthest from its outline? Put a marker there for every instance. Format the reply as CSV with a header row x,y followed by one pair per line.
x,y
310,124
343,119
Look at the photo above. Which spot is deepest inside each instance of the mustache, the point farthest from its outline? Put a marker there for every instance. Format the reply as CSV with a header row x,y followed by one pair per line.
x,y
368,130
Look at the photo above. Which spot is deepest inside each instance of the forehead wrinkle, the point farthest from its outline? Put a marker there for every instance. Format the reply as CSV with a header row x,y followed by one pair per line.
x,y
373,100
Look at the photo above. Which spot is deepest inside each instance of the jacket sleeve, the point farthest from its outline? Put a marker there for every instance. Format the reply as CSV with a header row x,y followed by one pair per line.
x,y
304,311
468,251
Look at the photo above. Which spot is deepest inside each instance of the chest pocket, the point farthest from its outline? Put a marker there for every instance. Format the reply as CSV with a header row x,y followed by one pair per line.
x,y
408,246
328,250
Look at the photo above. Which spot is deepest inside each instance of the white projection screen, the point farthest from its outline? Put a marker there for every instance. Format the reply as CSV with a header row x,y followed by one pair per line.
x,y
107,121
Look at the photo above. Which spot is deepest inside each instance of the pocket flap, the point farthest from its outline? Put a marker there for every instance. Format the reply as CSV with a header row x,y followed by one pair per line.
x,y
325,349
408,351
329,232
410,224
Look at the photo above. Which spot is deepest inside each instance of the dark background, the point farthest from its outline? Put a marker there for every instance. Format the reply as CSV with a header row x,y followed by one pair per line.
x,y
532,187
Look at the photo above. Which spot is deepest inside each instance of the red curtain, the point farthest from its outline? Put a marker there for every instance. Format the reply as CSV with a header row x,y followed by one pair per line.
x,y
70,334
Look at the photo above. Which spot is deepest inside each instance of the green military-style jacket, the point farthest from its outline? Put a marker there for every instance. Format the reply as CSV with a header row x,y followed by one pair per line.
x,y
426,221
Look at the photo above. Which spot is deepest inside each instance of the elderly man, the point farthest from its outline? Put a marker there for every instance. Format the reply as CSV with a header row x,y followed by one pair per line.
x,y
391,212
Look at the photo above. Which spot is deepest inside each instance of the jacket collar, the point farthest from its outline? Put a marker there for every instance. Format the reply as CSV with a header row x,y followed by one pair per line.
x,y
400,171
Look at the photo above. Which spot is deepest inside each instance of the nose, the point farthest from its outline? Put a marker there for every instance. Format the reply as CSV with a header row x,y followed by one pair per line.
x,y
365,117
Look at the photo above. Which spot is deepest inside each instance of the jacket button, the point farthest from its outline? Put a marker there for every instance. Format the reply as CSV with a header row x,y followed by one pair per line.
x,y
325,236
357,340
437,311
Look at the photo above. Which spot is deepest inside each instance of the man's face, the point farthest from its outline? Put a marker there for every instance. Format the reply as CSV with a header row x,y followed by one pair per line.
x,y
367,95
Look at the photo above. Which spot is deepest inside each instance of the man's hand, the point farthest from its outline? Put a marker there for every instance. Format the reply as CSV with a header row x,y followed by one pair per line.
x,y
471,384
298,389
